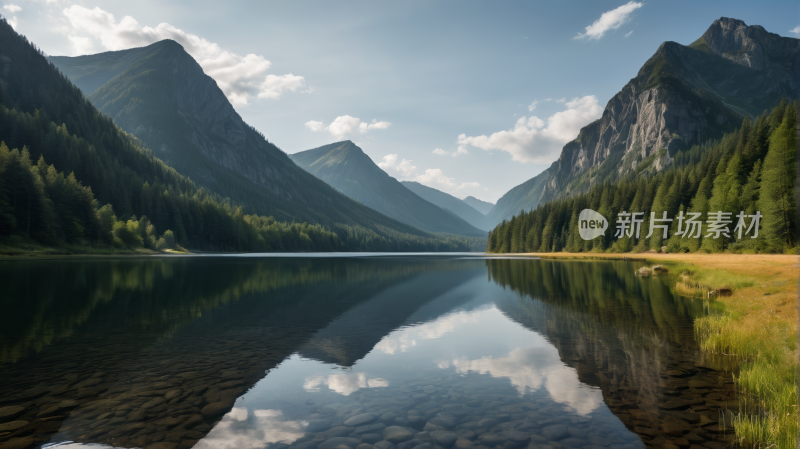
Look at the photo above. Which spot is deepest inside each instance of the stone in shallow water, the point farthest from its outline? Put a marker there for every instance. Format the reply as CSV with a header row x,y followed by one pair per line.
x,y
384,445
360,420
466,434
331,443
338,431
573,442
463,443
371,438
371,428
317,425
491,439
444,438
215,408
488,423
397,434
13,425
555,432
409,444
365,446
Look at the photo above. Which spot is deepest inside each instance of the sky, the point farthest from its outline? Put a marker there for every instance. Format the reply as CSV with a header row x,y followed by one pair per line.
x,y
471,98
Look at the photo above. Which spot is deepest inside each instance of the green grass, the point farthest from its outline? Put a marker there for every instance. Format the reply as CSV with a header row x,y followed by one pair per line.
x,y
749,332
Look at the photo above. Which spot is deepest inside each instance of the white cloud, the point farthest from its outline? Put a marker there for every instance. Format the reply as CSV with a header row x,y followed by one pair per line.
x,y
796,30
403,169
345,125
628,33
530,141
344,384
561,100
13,22
533,105
12,8
315,126
240,77
610,20
460,150
434,177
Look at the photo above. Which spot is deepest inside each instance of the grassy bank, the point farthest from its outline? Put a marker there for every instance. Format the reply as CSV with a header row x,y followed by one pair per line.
x,y
758,329
19,248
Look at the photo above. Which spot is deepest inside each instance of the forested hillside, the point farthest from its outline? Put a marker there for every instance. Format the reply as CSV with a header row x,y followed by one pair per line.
x,y
751,170
68,173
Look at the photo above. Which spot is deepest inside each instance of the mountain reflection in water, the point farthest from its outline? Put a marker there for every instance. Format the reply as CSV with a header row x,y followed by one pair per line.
x,y
317,353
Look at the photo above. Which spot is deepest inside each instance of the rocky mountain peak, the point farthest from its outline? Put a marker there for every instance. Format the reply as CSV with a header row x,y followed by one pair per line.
x,y
751,46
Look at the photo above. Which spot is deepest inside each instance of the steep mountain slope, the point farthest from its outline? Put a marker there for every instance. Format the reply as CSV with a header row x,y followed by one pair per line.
x,y
450,204
345,166
481,206
160,95
683,95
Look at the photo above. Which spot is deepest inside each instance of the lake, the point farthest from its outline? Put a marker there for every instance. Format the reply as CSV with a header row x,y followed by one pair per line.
x,y
344,352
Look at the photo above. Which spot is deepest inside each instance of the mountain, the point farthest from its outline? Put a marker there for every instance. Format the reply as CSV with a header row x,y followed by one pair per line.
x,y
345,166
481,206
70,175
682,96
160,94
450,204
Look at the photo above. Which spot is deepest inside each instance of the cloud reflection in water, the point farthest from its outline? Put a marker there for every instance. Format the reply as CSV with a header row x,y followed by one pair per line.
x,y
240,429
344,384
529,369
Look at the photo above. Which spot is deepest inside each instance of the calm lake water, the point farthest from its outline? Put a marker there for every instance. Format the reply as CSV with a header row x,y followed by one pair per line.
x,y
404,352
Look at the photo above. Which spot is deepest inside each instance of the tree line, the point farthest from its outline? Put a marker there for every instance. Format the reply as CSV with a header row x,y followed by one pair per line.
x,y
750,171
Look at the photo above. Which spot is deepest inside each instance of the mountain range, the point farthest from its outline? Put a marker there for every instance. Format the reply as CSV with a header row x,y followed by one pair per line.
x,y
449,203
161,95
178,118
682,96
346,167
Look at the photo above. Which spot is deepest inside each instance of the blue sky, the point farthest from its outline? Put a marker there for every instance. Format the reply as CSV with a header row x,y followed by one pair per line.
x,y
439,92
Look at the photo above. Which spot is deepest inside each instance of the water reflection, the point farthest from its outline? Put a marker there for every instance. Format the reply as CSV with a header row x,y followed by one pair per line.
x,y
252,352
240,429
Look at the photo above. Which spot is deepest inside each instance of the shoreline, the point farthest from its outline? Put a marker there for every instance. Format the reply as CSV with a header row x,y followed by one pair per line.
x,y
757,330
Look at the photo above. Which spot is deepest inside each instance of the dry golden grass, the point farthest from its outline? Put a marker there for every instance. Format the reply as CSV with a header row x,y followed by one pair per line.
x,y
758,329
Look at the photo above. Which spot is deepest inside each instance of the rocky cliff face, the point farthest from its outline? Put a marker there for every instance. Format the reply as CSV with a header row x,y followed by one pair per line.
x,y
683,95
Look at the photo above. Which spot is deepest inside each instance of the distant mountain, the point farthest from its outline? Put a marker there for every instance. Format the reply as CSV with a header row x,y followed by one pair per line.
x,y
481,206
160,94
682,96
344,166
450,204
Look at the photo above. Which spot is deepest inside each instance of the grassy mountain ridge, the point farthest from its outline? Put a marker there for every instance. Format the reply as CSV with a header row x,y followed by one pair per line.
x,y
347,168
